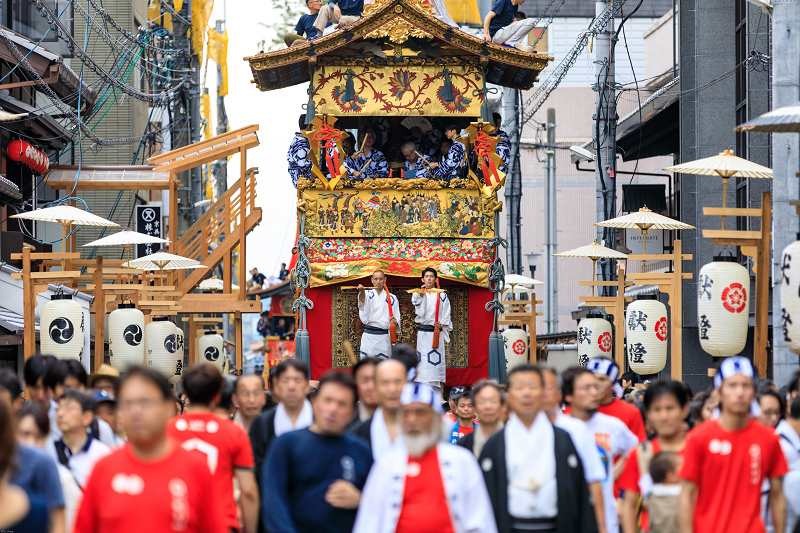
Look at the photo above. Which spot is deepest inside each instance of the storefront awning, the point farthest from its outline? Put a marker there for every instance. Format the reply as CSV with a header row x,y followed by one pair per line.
x,y
653,128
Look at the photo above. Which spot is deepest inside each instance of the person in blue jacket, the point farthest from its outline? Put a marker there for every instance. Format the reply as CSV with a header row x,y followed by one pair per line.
x,y
305,26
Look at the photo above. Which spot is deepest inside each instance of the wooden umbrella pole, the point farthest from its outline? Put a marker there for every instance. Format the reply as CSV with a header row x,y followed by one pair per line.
x,y
724,198
65,230
644,248
594,263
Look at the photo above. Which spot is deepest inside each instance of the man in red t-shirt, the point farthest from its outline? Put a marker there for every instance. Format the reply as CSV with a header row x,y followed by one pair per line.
x,y
726,461
666,405
151,484
223,443
607,371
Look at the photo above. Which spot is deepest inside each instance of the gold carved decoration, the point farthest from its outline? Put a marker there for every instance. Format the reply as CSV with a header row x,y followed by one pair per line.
x,y
400,184
398,29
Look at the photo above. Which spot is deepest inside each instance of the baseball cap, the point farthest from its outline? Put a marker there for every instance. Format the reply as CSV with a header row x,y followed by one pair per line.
x,y
102,396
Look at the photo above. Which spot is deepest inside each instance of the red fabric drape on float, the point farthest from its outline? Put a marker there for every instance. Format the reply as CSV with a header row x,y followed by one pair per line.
x,y
320,327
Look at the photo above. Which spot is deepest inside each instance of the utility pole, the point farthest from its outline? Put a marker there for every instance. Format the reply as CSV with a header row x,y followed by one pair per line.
x,y
550,244
221,165
605,136
513,192
785,164
185,114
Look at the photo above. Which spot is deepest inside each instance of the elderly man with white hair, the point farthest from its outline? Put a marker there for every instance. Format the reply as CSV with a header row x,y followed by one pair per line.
x,y
428,487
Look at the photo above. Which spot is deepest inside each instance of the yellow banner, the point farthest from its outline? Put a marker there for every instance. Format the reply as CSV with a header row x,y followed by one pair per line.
x,y
440,213
205,113
201,11
218,53
330,273
398,91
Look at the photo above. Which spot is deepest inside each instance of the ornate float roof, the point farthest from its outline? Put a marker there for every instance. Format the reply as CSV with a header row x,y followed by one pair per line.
x,y
397,32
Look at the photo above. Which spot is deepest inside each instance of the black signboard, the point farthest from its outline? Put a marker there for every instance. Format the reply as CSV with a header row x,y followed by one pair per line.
x,y
148,221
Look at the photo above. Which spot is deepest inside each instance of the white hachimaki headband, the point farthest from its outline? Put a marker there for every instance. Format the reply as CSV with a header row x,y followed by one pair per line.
x,y
732,366
601,365
420,393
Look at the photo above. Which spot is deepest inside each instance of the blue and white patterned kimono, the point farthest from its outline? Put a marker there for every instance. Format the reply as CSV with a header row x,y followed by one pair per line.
x,y
429,143
421,169
453,163
378,165
297,156
503,149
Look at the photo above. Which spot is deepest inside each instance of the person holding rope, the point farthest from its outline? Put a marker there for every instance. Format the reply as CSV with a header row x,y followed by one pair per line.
x,y
432,307
379,311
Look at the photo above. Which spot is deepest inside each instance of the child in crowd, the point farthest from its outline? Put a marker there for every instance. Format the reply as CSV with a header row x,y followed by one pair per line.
x,y
662,502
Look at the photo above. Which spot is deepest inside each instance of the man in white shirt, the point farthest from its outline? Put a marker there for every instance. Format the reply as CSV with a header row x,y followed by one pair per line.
x,y
433,313
532,469
612,436
378,309
789,432
383,432
593,469
77,449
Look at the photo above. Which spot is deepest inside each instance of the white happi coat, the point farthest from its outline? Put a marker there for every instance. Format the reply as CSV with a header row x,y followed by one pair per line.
x,y
431,367
375,312
467,497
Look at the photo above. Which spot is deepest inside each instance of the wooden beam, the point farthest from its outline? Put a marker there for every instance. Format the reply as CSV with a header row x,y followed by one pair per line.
x,y
732,211
172,155
736,242
58,256
237,320
206,156
731,234
29,306
112,185
762,287
99,309
602,283
676,307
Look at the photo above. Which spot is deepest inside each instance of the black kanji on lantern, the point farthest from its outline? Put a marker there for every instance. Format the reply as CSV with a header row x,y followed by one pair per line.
x,y
704,286
785,266
705,325
636,319
637,352
786,319
584,335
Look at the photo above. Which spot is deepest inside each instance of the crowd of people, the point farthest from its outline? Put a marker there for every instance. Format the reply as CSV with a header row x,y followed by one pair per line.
x,y
382,151
373,451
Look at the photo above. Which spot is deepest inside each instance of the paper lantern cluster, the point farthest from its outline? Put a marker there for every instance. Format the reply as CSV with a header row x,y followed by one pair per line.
x,y
125,337
62,328
211,348
595,338
646,331
723,303
790,296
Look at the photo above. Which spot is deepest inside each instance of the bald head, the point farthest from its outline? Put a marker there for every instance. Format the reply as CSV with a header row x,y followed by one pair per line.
x,y
390,377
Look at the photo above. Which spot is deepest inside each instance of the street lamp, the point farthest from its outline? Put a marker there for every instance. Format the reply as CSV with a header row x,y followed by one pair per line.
x,y
532,260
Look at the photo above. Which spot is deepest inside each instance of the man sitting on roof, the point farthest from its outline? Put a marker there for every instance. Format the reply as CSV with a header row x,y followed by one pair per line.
x,y
499,26
305,25
341,12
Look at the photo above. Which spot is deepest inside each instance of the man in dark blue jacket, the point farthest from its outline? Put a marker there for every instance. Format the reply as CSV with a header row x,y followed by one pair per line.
x,y
305,26
340,12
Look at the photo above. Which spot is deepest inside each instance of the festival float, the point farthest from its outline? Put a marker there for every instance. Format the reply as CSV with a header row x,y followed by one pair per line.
x,y
398,66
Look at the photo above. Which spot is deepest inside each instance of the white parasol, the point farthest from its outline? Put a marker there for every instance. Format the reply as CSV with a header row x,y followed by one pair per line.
x,y
127,238
594,252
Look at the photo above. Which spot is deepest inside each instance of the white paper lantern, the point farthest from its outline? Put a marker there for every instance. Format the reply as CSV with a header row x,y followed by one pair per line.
x,y
515,341
62,328
178,356
594,338
646,329
790,296
126,337
723,306
211,348
161,346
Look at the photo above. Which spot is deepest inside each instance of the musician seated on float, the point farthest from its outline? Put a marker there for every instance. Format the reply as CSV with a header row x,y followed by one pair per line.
x,y
444,147
454,164
339,12
297,156
305,25
367,162
503,147
416,165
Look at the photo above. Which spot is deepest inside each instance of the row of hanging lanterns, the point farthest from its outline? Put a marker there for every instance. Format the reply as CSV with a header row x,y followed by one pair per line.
x,y
160,343
595,338
646,332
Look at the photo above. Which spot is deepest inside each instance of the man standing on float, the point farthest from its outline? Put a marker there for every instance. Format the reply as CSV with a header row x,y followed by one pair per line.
x,y
378,309
433,316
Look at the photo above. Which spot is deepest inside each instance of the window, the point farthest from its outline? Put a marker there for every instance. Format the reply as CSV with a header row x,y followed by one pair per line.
x,y
23,17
